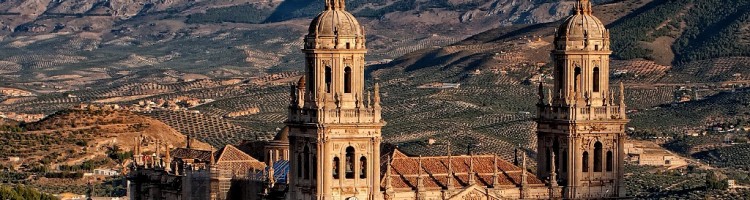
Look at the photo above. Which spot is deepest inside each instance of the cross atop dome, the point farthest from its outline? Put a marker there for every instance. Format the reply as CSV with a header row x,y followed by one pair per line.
x,y
335,4
582,7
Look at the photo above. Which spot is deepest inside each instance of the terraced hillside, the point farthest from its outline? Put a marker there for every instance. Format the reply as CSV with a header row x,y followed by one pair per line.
x,y
73,136
684,31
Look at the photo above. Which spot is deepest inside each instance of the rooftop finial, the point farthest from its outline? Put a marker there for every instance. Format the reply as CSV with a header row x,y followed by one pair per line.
x,y
420,179
553,171
388,184
472,181
583,7
335,5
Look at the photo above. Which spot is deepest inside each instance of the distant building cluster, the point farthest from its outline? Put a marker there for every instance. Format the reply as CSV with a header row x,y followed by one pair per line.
x,y
176,104
22,117
12,92
441,85
227,173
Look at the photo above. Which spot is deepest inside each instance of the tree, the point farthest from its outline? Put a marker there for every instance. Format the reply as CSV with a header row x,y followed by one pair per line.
x,y
714,182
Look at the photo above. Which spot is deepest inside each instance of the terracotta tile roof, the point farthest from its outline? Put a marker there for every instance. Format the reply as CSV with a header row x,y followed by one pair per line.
x,y
185,153
234,159
405,170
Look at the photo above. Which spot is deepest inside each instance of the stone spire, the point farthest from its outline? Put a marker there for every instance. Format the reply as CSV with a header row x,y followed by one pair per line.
x,y
549,96
335,5
388,179
167,158
450,168
271,174
584,7
553,171
213,159
369,100
472,180
541,91
523,171
524,181
376,98
135,151
158,153
495,176
420,179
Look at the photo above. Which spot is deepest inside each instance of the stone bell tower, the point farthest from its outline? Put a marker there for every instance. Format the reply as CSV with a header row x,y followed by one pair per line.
x,y
579,120
334,125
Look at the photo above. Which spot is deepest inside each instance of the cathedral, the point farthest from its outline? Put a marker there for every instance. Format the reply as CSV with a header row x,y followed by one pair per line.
x,y
331,146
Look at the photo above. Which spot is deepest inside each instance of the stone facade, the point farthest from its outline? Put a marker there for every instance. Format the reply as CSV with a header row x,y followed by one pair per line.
x,y
332,143
186,173
579,120
334,128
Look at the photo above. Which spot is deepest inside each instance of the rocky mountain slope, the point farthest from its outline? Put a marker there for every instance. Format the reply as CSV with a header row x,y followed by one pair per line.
x,y
49,46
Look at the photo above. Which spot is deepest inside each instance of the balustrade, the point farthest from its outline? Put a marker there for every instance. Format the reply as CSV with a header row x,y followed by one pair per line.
x,y
336,115
581,113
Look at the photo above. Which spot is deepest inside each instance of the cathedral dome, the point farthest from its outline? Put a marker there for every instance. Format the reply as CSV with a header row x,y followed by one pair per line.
x,y
581,30
335,22
335,28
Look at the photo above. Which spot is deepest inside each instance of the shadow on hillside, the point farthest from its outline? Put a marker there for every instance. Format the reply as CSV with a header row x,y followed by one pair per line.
x,y
639,11
290,9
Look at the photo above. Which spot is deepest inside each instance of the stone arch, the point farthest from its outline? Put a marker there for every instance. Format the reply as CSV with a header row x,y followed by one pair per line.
x,y
610,161
585,162
306,164
349,170
363,167
577,78
348,79
596,79
335,168
329,78
598,157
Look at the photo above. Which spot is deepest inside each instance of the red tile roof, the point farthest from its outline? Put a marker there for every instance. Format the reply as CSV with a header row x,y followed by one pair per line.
x,y
234,159
405,170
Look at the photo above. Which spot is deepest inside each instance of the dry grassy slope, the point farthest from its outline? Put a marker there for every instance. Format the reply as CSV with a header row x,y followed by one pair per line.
x,y
61,132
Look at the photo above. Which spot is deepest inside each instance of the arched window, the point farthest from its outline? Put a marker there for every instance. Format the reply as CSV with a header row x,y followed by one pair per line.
x,y
596,79
348,80
299,166
585,161
328,79
349,162
577,80
363,167
609,161
306,171
598,157
336,167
